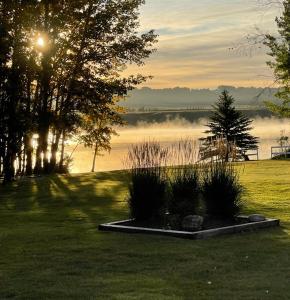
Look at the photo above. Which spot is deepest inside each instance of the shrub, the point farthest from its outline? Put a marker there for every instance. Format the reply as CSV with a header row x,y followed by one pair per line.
x,y
221,190
148,186
66,166
283,156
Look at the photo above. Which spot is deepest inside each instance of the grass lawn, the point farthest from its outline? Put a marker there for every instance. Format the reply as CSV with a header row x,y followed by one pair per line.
x,y
50,247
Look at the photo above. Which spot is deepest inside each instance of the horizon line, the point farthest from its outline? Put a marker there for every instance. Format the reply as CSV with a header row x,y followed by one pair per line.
x,y
204,88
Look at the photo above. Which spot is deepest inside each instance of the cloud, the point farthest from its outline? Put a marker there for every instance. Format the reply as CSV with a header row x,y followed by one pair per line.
x,y
194,42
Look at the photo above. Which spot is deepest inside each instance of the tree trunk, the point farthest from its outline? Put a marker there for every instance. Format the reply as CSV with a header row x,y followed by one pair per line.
x,y
61,161
9,170
23,163
12,137
28,150
44,146
2,154
54,150
42,164
19,167
38,160
94,159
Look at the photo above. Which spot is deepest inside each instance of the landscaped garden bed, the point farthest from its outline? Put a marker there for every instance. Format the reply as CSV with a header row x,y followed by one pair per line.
x,y
242,224
185,199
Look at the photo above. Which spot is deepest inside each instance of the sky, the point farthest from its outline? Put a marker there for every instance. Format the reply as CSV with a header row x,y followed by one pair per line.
x,y
195,37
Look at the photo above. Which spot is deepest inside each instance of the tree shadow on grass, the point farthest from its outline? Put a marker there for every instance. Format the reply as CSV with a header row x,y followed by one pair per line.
x,y
93,195
178,267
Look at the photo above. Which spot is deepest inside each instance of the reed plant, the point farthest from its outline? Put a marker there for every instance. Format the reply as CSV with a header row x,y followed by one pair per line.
x,y
147,191
169,180
221,190
184,179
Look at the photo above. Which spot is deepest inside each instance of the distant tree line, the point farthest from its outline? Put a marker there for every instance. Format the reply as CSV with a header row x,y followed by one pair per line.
x,y
182,98
60,75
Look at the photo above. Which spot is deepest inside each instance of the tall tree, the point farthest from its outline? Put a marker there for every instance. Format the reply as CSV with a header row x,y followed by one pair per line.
x,y
97,132
97,41
279,51
14,50
60,61
231,126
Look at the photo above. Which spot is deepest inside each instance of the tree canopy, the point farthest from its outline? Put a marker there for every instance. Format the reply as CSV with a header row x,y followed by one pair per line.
x,y
61,63
279,51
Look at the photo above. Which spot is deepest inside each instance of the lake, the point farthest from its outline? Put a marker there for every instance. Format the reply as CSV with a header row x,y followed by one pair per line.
x,y
267,129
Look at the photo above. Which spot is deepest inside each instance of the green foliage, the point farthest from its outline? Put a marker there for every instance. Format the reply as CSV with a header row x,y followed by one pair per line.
x,y
279,51
221,190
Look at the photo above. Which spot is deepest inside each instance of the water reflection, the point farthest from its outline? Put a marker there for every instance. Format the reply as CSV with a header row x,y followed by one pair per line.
x,y
268,130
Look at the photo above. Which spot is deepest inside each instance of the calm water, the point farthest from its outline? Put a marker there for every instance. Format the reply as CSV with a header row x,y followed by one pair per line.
x,y
268,130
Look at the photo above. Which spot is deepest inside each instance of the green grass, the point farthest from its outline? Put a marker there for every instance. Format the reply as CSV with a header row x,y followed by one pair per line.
x,y
50,247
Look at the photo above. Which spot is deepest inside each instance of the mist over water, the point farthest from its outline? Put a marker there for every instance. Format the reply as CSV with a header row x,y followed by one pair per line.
x,y
170,131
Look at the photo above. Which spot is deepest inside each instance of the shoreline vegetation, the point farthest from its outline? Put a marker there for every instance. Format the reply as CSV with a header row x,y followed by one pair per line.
x,y
186,97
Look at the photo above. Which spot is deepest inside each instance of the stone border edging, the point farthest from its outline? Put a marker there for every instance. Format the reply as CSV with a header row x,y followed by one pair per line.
x,y
202,234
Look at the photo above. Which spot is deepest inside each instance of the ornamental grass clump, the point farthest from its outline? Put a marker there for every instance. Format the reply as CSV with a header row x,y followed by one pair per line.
x,y
221,190
148,186
184,180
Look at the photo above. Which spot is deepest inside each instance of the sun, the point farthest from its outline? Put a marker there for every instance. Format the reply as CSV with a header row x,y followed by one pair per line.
x,y
40,42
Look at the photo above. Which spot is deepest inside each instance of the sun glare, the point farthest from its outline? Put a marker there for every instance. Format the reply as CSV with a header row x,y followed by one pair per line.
x,y
40,42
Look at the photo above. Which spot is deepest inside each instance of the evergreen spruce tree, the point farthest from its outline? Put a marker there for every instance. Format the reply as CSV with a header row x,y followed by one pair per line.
x,y
231,126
